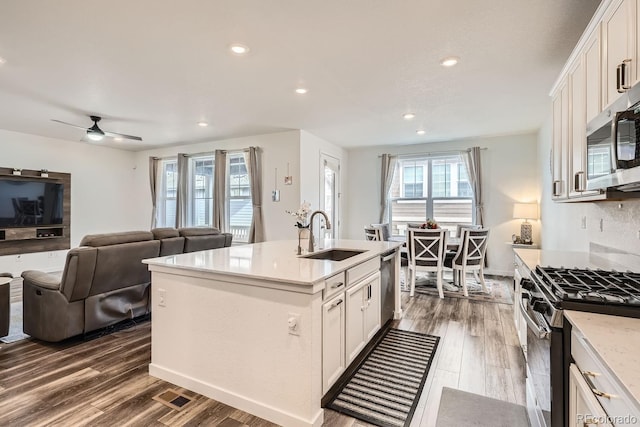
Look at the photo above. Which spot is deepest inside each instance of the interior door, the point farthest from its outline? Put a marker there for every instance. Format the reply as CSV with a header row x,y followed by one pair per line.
x,y
330,193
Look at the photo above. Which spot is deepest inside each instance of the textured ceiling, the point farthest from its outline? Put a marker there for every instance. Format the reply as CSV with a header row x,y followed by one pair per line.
x,y
155,68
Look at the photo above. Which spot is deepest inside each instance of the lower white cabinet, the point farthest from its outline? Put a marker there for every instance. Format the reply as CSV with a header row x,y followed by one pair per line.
x,y
333,340
584,409
363,314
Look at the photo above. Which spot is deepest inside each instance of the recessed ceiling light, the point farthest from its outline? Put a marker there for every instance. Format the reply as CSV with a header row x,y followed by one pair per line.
x,y
449,62
301,90
117,139
239,49
408,116
2,61
203,124
421,132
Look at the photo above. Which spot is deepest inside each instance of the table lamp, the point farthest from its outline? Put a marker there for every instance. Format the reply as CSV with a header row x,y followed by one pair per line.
x,y
525,211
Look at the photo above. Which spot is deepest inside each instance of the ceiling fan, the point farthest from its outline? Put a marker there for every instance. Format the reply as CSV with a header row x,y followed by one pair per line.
x,y
94,132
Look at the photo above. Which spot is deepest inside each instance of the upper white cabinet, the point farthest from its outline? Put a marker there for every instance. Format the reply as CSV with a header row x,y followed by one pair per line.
x,y
593,75
618,53
559,148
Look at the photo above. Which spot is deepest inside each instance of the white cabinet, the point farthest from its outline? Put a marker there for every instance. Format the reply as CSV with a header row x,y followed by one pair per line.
x,y
560,144
618,53
363,314
593,75
584,409
333,340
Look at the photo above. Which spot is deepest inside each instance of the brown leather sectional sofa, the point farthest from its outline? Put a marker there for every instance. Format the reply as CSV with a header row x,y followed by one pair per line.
x,y
104,280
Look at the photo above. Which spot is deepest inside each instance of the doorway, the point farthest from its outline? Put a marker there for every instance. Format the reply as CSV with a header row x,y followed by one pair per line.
x,y
330,193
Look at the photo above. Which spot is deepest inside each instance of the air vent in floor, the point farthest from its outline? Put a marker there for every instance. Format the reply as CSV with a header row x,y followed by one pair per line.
x,y
173,399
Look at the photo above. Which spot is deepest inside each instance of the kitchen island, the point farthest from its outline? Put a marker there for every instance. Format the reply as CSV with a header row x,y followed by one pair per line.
x,y
247,325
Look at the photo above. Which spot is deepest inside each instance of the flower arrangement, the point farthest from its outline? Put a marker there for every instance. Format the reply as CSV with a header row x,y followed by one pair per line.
x,y
302,215
430,224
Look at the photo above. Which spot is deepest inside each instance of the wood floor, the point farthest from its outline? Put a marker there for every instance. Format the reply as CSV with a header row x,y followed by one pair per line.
x,y
105,381
478,352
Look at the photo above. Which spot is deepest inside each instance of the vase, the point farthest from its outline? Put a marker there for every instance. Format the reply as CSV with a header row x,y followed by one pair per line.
x,y
303,239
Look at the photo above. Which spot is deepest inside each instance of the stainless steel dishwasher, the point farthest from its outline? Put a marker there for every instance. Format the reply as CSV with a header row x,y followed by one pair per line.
x,y
387,285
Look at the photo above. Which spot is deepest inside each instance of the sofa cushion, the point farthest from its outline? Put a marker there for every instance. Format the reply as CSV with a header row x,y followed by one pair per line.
x,y
198,231
108,239
165,233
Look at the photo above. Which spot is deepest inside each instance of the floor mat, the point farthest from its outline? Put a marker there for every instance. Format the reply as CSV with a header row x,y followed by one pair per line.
x,y
385,388
460,408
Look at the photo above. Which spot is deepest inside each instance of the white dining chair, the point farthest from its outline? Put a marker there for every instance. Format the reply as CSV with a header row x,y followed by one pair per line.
x,y
469,258
426,253
372,233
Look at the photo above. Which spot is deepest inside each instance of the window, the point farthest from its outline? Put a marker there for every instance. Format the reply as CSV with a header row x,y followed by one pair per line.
x,y
239,207
413,180
168,187
200,194
431,187
201,190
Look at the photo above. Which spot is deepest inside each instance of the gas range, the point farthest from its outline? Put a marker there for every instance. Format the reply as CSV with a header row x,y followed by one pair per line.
x,y
596,291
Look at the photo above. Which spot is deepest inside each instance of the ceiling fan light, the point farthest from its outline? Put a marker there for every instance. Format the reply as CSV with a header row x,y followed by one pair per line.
x,y
94,136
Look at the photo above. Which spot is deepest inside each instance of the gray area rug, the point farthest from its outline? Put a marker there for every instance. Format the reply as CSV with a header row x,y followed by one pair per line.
x,y
460,408
385,388
15,326
498,291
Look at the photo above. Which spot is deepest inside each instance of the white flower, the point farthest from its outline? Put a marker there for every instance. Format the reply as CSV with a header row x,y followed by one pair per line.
x,y
302,214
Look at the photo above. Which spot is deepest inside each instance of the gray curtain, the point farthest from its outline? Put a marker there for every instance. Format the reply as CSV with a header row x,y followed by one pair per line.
x,y
182,193
252,159
388,169
474,172
153,182
220,191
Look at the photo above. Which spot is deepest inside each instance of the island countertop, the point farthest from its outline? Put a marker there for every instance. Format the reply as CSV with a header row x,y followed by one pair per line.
x,y
273,260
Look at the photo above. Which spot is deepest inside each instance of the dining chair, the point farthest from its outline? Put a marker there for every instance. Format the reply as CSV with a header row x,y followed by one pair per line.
x,y
426,253
469,258
385,231
460,227
372,233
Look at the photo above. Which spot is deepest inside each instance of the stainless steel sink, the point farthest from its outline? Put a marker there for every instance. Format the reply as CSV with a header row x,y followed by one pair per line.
x,y
334,254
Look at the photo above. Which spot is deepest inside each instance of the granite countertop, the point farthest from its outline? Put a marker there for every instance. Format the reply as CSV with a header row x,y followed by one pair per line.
x,y
616,341
274,260
533,257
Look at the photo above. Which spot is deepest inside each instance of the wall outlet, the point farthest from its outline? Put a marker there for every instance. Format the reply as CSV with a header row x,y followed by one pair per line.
x,y
51,254
162,298
583,222
601,225
293,323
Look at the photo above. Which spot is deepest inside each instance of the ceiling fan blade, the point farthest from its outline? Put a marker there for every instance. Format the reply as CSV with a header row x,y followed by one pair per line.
x,y
69,124
121,135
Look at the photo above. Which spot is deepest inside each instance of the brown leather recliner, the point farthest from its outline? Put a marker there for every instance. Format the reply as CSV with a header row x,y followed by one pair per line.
x,y
103,282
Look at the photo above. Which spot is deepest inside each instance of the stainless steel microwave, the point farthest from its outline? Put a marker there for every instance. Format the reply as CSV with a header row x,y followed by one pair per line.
x,y
613,145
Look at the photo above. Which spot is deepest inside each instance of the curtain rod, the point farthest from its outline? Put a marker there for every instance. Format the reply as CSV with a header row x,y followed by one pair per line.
x,y
433,153
243,150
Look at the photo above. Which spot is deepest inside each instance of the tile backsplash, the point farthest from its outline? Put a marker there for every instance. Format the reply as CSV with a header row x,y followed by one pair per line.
x,y
619,239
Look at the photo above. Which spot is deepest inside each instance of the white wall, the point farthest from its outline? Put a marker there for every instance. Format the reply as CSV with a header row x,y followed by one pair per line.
x,y
561,221
311,147
510,175
100,180
278,149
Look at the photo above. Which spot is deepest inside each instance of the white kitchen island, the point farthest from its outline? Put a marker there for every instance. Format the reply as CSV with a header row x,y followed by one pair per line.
x,y
244,325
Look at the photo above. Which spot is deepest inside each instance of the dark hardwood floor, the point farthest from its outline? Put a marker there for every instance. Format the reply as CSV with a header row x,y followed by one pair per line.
x,y
105,381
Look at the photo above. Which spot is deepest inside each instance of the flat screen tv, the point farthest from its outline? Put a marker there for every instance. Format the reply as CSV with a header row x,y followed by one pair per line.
x,y
28,202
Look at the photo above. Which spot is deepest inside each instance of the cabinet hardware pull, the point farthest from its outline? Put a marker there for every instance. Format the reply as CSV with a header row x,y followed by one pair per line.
x,y
594,390
337,285
337,303
626,67
591,373
578,181
618,78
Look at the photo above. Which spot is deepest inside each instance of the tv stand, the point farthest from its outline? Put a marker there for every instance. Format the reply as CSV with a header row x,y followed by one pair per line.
x,y
33,237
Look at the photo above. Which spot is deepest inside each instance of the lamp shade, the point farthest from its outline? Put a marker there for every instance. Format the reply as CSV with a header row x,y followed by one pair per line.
x,y
525,210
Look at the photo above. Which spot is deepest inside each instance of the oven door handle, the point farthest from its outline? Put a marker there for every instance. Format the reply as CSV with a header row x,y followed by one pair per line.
x,y
541,331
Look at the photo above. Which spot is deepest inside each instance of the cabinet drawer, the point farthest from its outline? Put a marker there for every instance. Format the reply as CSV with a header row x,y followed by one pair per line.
x,y
609,393
362,270
333,285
